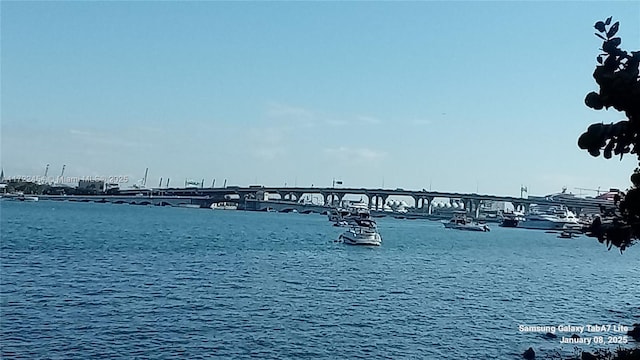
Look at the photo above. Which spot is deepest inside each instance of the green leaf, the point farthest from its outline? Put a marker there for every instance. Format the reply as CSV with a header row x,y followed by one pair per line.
x,y
613,30
599,59
600,36
599,26
608,21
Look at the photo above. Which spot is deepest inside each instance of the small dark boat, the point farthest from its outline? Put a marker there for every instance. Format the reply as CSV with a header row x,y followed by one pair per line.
x,y
511,220
566,235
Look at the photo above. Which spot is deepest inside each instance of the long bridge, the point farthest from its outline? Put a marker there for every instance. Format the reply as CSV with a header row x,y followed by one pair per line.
x,y
376,198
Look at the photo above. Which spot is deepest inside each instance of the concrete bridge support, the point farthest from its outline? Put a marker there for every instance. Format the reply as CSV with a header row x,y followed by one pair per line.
x,y
333,199
381,201
376,201
416,201
523,207
429,202
472,207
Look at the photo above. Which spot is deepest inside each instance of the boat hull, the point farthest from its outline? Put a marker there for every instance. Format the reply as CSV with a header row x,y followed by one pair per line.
x,y
547,225
361,237
27,198
510,223
467,227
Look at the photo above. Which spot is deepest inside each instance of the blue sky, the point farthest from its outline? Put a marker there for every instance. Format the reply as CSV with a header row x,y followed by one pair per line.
x,y
452,96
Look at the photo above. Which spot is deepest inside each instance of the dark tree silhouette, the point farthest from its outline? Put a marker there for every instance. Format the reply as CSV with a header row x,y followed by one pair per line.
x,y
617,75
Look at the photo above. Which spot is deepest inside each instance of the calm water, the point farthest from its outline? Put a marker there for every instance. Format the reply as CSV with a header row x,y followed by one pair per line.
x,y
100,280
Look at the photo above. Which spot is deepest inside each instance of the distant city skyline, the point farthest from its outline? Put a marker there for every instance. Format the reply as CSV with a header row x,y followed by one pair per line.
x,y
469,97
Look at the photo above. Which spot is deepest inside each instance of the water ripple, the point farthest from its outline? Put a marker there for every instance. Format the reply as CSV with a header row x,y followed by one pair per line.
x,y
98,280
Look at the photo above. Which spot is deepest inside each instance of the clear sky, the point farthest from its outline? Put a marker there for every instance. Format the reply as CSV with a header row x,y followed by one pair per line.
x,y
452,96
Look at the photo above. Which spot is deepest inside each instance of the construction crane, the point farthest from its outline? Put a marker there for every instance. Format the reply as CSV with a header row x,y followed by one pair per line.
x,y
598,191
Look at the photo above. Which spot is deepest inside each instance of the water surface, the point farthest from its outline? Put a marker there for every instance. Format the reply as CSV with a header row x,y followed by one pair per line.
x,y
81,280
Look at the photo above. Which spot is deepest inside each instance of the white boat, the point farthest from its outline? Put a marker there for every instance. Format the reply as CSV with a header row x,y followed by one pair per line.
x,y
363,233
189,206
338,214
224,206
461,222
349,214
29,198
550,218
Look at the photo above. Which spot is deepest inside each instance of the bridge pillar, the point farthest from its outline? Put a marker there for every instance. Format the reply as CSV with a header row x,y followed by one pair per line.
x,y
384,200
376,199
298,195
328,200
476,207
519,207
325,198
467,204
523,207
369,201
515,206
335,199
416,200
472,206
429,201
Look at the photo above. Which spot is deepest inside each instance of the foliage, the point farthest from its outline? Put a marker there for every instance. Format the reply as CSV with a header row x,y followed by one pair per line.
x,y
31,188
606,354
25,187
617,75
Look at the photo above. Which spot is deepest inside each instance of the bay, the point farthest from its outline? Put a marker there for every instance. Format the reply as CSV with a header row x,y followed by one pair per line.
x,y
82,280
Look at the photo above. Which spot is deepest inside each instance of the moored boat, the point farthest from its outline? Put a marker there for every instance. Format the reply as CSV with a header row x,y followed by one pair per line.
x,y
28,198
461,222
364,232
567,234
349,215
550,218
189,206
511,219
227,206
